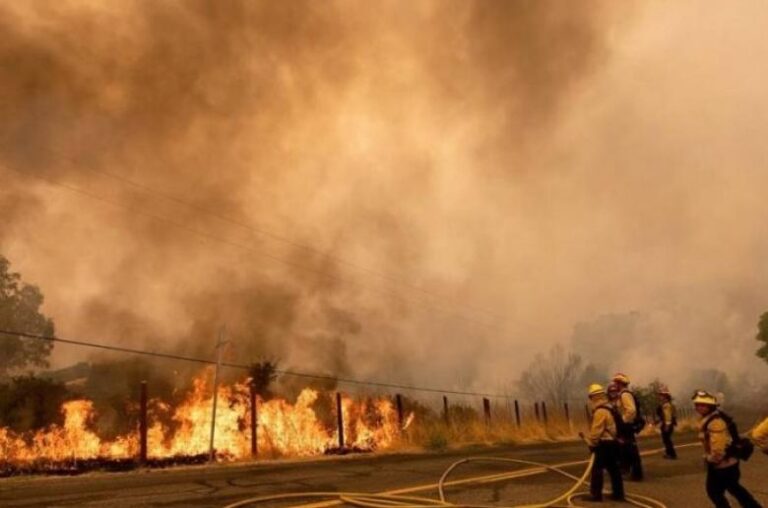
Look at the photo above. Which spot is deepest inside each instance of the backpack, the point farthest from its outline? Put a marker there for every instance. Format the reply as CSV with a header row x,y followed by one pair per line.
x,y
638,424
617,420
741,447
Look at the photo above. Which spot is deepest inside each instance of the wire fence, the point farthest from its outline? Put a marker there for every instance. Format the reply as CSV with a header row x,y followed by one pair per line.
x,y
445,416
509,405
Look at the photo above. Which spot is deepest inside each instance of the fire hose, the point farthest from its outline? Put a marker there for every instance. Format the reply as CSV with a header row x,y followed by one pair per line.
x,y
366,500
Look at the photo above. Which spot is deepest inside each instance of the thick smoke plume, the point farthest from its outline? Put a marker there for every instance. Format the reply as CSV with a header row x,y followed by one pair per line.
x,y
421,192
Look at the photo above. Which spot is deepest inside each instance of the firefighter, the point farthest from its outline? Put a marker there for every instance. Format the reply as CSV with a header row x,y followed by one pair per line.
x,y
723,471
613,393
603,442
666,414
632,423
760,436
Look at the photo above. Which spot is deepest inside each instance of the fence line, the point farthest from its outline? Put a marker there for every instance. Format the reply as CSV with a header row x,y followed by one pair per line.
x,y
517,410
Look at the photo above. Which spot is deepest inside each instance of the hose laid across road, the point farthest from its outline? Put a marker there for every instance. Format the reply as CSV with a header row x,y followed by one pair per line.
x,y
367,500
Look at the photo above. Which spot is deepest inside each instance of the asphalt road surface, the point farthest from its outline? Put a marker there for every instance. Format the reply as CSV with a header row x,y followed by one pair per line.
x,y
676,483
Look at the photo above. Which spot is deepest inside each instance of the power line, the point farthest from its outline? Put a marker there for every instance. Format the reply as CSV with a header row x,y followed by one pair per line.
x,y
278,259
293,373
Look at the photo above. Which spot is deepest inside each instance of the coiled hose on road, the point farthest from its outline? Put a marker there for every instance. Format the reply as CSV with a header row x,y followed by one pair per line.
x,y
365,500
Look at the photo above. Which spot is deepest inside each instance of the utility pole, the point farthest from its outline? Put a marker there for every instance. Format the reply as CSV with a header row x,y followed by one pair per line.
x,y
219,344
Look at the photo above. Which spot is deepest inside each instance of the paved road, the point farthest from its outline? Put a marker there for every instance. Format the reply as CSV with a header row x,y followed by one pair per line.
x,y
677,483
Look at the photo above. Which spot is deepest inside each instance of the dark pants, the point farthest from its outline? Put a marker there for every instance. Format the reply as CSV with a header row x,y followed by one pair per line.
x,y
727,479
669,446
630,457
606,457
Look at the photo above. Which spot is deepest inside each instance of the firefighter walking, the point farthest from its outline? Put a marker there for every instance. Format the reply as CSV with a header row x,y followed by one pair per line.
x,y
603,442
717,434
666,415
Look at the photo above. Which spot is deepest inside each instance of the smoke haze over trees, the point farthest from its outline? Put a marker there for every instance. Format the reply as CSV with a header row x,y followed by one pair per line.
x,y
558,376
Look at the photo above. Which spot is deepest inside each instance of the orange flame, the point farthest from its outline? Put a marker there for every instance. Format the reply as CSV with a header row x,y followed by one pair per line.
x,y
284,429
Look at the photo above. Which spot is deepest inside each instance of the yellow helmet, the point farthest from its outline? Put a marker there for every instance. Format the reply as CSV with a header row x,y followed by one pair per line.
x,y
596,389
703,397
621,378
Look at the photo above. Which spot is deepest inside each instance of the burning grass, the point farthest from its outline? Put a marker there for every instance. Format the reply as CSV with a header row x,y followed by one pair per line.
x,y
302,427
181,434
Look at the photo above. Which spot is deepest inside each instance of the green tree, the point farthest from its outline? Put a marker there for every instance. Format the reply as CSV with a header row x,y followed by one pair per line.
x,y
20,311
762,336
648,398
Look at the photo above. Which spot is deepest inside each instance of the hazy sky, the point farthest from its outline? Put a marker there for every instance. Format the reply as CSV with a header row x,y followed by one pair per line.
x,y
433,191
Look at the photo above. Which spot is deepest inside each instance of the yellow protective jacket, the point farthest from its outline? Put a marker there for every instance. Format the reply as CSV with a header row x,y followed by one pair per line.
x,y
627,407
603,427
667,414
760,435
715,440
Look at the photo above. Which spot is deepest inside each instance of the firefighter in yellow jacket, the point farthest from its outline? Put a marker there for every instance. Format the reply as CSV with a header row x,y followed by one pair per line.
x,y
628,408
603,442
723,471
760,436
667,421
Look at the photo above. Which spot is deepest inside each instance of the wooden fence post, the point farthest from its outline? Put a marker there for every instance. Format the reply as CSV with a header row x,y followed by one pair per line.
x,y
143,424
399,406
340,420
254,423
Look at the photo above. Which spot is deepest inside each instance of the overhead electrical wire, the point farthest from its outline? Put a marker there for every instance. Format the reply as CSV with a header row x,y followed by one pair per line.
x,y
284,372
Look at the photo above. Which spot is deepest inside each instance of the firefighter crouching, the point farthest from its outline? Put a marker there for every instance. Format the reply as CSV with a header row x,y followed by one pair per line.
x,y
717,434
603,442
632,424
667,418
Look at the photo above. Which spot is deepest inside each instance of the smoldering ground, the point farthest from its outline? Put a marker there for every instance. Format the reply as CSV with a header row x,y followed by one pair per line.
x,y
525,165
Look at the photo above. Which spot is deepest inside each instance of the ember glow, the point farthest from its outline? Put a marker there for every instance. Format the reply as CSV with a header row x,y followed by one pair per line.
x,y
285,428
